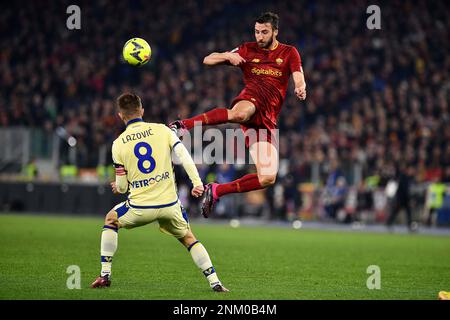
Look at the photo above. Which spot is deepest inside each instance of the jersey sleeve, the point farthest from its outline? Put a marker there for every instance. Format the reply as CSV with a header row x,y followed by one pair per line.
x,y
241,50
295,62
117,161
188,164
173,139
121,173
184,157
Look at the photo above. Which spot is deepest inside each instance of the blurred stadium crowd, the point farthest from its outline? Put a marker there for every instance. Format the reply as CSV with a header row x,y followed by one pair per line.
x,y
376,98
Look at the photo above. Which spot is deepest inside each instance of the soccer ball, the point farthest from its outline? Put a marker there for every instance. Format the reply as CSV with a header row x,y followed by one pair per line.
x,y
136,52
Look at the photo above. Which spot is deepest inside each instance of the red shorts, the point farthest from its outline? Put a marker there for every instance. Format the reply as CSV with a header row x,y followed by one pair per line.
x,y
259,128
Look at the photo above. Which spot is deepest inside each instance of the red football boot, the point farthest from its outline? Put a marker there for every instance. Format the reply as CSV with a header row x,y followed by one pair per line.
x,y
101,282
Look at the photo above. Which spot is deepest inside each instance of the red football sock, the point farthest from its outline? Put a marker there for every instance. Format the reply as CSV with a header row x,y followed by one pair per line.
x,y
215,116
247,183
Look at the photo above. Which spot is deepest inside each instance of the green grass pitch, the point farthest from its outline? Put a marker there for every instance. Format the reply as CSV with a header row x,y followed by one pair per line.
x,y
253,262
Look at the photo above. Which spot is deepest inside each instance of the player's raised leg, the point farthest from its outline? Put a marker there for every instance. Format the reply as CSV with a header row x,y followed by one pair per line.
x,y
241,112
202,261
265,157
108,248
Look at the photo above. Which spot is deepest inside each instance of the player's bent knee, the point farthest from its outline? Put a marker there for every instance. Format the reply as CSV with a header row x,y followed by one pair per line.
x,y
111,219
267,180
239,116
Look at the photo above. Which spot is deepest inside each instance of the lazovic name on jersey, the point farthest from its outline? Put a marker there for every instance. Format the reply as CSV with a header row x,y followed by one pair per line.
x,y
137,136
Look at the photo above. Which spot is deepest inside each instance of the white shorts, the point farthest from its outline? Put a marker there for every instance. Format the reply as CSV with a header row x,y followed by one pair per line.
x,y
172,218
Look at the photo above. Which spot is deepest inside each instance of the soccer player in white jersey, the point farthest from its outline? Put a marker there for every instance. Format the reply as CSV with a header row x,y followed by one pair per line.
x,y
143,162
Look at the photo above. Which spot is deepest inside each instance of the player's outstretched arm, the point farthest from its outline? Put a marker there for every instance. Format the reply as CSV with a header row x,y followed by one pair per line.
x,y
121,183
218,58
300,85
190,168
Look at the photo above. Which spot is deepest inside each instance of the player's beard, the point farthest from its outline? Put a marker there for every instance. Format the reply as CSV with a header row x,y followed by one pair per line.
x,y
265,45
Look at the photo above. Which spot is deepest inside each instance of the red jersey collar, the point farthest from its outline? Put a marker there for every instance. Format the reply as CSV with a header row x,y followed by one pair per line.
x,y
274,48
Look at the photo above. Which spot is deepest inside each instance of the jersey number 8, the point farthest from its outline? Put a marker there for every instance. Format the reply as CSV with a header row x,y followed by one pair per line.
x,y
147,156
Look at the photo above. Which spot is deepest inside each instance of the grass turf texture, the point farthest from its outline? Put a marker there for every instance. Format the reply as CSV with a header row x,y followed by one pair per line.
x,y
253,262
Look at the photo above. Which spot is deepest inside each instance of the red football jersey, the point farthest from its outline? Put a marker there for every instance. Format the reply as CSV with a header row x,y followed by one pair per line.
x,y
266,75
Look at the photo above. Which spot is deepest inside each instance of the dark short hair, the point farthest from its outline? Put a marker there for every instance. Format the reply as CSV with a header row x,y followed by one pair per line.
x,y
269,17
129,104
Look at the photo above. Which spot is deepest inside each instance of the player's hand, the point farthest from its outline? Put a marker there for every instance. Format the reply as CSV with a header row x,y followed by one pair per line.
x,y
235,59
197,191
300,92
114,187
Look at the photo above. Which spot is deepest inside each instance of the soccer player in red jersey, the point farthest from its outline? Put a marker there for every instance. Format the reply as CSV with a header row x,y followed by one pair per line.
x,y
267,66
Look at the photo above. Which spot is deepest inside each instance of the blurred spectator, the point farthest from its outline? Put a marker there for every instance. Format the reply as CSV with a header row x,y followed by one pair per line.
x,y
335,191
30,171
376,97
401,197
434,200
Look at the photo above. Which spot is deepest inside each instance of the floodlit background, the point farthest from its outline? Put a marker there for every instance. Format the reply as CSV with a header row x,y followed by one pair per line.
x,y
377,113
377,101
